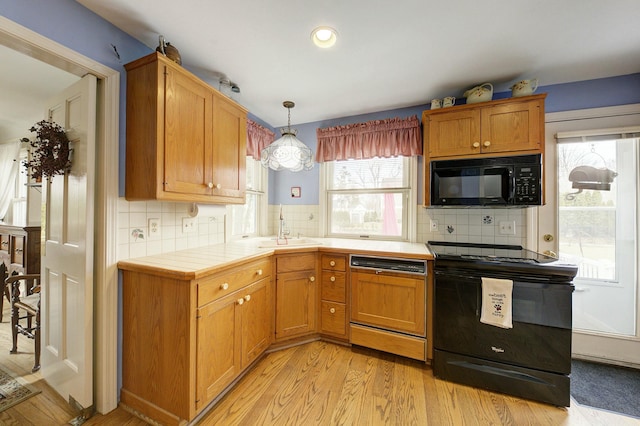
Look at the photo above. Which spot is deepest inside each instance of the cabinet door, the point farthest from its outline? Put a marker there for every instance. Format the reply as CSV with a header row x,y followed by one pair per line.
x,y
188,134
256,320
454,133
295,303
229,150
512,127
218,347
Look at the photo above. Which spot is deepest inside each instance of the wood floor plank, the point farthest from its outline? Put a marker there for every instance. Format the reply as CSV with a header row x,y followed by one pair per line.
x,y
322,383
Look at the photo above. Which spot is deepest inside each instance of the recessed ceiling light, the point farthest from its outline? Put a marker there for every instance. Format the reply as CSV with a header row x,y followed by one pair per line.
x,y
324,37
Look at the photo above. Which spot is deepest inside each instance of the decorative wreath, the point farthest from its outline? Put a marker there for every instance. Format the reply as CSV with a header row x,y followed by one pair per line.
x,y
51,153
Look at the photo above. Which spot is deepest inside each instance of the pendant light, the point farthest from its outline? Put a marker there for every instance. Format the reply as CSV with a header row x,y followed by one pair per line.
x,y
288,152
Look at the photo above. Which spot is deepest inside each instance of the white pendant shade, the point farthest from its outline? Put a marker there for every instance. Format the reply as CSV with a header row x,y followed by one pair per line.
x,y
288,152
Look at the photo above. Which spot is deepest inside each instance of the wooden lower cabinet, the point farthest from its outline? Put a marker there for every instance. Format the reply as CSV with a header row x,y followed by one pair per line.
x,y
232,333
184,343
296,295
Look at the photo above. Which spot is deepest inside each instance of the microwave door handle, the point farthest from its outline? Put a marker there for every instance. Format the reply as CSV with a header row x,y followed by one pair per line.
x,y
512,194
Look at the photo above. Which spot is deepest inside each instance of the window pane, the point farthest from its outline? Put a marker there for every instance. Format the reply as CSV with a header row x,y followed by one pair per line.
x,y
245,216
252,176
587,218
597,231
367,214
372,173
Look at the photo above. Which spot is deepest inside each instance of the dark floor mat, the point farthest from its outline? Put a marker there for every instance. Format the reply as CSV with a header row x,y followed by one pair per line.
x,y
606,387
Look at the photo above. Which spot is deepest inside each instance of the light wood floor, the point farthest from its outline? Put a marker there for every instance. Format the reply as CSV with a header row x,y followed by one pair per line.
x,y
324,384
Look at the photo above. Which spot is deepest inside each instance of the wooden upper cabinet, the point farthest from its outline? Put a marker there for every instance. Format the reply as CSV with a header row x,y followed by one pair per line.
x,y
229,151
503,127
188,134
185,140
453,133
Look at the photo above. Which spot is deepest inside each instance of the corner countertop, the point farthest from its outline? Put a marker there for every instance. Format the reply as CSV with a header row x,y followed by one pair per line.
x,y
198,262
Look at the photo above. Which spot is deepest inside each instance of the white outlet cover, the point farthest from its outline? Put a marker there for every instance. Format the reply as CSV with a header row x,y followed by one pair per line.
x,y
154,228
508,227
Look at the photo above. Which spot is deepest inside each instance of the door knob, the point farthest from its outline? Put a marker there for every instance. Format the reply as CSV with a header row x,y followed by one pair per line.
x,y
548,238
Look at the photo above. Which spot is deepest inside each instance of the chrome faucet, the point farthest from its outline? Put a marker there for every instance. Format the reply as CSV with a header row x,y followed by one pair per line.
x,y
281,231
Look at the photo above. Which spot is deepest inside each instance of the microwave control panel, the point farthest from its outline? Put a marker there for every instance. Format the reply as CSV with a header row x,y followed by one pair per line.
x,y
527,184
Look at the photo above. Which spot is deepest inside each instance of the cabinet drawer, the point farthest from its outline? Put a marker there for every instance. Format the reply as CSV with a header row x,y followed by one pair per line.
x,y
17,250
333,262
218,285
333,318
333,286
302,262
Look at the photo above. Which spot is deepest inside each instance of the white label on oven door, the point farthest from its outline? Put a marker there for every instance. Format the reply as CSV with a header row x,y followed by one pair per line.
x,y
497,350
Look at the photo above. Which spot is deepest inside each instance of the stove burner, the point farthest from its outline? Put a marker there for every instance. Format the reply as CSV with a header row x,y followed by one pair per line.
x,y
491,258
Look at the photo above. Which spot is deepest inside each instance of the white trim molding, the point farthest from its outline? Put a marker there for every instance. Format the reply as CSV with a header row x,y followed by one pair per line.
x,y
105,343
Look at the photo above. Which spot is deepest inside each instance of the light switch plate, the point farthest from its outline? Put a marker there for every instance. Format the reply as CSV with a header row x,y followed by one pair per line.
x,y
188,225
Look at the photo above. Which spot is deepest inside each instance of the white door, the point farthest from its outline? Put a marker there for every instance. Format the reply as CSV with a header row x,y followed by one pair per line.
x,y
67,251
595,229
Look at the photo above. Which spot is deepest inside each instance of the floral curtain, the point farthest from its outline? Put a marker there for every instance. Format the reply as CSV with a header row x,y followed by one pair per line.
x,y
391,137
258,138
9,161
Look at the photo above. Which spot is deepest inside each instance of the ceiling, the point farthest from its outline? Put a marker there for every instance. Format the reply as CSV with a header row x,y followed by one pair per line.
x,y
26,84
389,54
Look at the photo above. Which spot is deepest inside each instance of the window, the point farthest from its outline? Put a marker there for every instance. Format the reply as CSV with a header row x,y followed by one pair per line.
x,y
370,198
249,219
19,202
597,205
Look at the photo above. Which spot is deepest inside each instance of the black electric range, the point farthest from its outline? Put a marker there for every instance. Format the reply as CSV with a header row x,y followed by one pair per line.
x,y
531,358
498,257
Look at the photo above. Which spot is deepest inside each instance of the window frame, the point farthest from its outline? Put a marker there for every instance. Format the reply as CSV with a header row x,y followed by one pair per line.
x,y
409,214
262,177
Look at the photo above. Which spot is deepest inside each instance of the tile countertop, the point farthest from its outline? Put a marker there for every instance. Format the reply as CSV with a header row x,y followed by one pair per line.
x,y
198,262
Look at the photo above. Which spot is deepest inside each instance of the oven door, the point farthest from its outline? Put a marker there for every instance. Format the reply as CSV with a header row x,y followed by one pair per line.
x,y
472,186
541,333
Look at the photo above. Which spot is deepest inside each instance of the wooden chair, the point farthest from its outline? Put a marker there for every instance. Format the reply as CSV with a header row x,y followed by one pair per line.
x,y
4,273
27,305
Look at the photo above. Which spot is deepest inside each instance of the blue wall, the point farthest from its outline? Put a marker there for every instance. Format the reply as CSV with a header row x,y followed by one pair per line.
x,y
598,93
81,30
74,26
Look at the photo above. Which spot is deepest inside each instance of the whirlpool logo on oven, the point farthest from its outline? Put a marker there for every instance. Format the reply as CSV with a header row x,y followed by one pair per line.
x,y
497,350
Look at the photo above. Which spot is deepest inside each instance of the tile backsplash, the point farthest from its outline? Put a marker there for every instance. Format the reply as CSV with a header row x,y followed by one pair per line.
x,y
135,238
460,225
472,225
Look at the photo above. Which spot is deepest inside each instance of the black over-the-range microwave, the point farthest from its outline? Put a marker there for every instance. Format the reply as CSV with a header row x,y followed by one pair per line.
x,y
514,181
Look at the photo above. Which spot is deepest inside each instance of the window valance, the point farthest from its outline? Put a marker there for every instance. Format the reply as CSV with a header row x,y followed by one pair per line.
x,y
391,137
258,138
